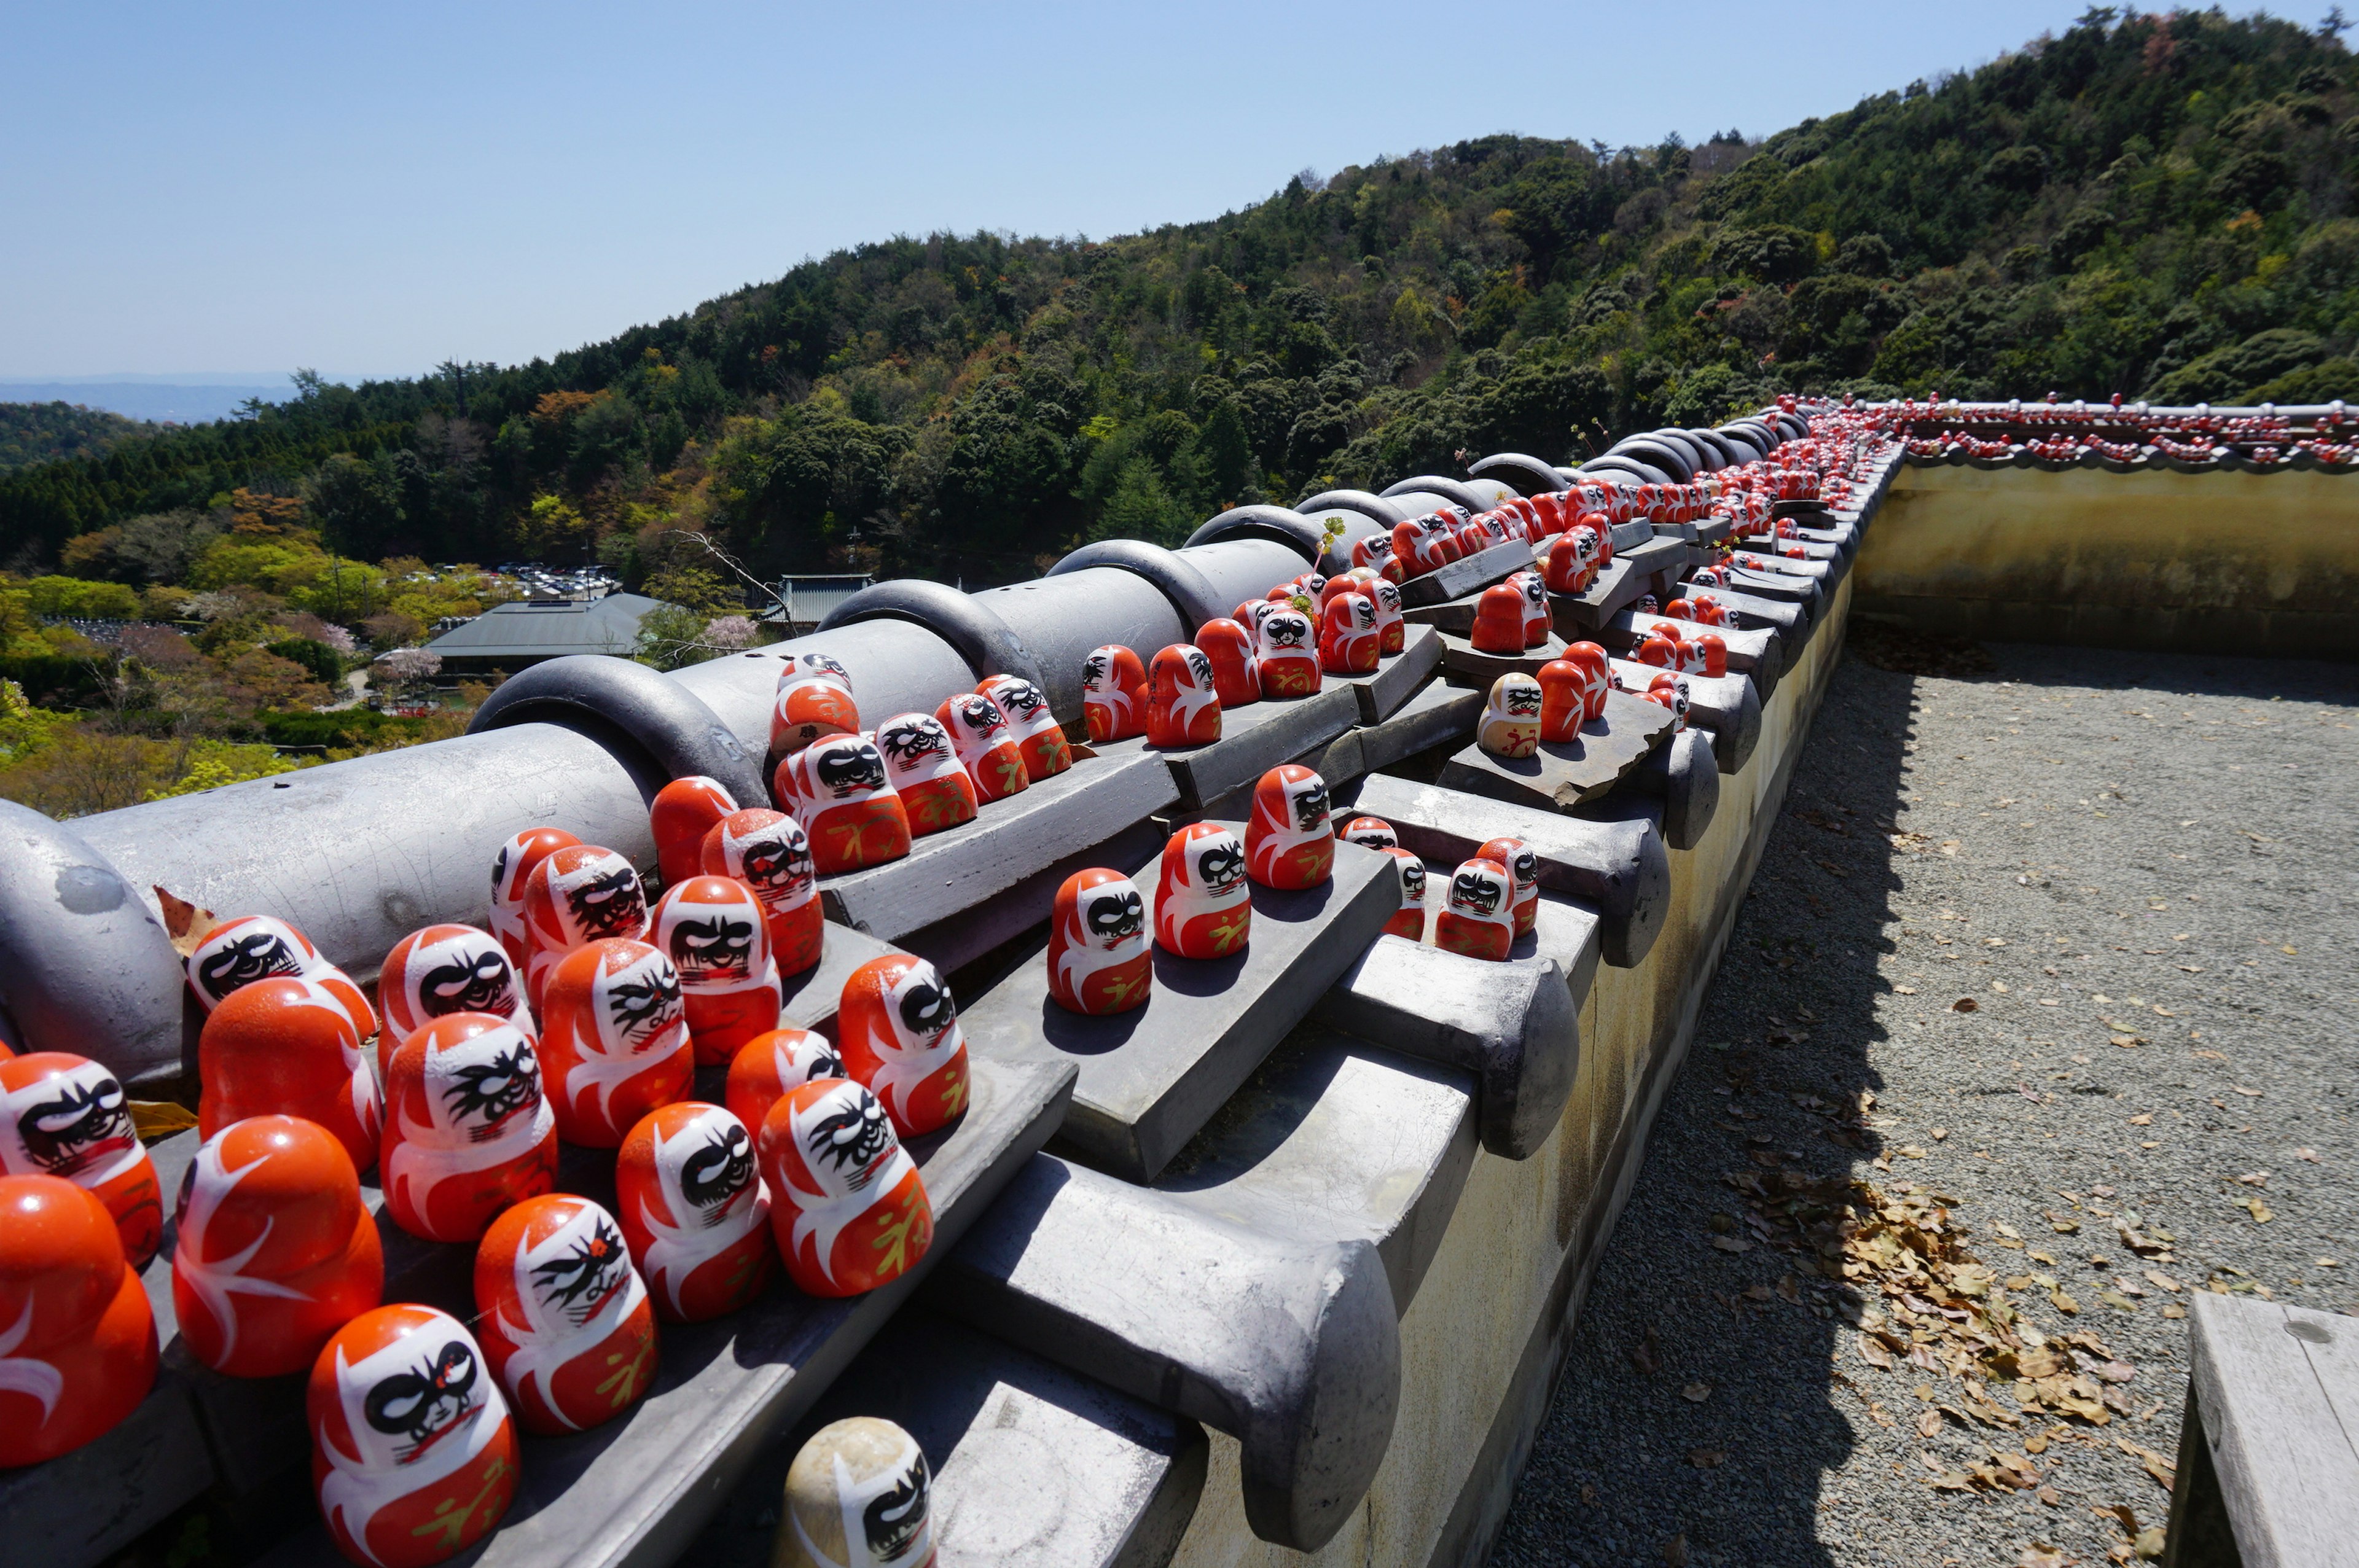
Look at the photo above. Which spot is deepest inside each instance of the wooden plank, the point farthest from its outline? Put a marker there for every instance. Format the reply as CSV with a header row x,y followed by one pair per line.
x,y
2278,1387
1563,774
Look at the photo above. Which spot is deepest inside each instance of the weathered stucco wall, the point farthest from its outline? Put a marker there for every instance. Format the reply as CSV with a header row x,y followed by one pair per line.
x,y
2231,562
1481,1344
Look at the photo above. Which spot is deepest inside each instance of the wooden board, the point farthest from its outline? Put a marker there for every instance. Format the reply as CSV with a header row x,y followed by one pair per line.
x,y
2279,1390
1152,1076
1562,775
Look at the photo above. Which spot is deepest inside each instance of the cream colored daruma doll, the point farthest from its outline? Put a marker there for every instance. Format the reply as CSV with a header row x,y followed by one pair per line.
x,y
287,1047
579,893
65,1116
238,953
1285,654
682,813
771,1065
445,969
859,1495
925,772
1037,734
273,1251
511,871
77,1337
1408,919
1478,919
1290,842
847,1207
694,1210
413,1454
898,1027
565,1318
713,930
1098,957
617,1044
1510,725
467,1132
1203,904
769,853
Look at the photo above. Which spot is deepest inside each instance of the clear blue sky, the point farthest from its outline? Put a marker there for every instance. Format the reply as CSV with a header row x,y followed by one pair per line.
x,y
374,188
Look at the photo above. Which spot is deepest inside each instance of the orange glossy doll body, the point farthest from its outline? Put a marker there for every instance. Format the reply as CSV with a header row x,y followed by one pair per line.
x,y
1510,725
273,1250
681,813
1113,695
1499,620
713,930
1597,677
898,1031
843,801
1478,918
238,953
616,1044
1183,709
512,871
813,700
287,1047
1037,734
67,1117
1203,904
980,735
1290,841
1349,642
1098,956
467,1132
580,893
769,853
768,1065
1564,700
694,1210
848,1209
413,1451
1570,563
563,1317
1409,920
1535,608
77,1339
1229,646
925,772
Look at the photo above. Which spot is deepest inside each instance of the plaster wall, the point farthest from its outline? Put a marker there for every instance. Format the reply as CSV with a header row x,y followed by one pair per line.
x,y
2224,562
1481,1344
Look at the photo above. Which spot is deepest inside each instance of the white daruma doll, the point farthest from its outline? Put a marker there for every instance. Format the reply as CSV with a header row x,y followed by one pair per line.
x,y
713,930
898,1030
564,1318
1203,904
413,1453
925,772
847,1207
468,1132
65,1116
769,853
273,1250
858,1496
1098,956
1037,734
1510,725
1290,842
617,1042
694,1210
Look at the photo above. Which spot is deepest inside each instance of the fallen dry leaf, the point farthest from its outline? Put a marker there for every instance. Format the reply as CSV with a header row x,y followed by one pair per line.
x,y
1707,1458
1965,1005
1906,991
2248,1094
1643,1353
1696,1393
2143,1119
1732,1244
2038,1554
2254,1178
1929,1425
2261,1215
1674,1550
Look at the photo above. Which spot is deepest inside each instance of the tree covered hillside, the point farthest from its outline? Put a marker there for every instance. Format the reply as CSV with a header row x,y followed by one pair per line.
x,y
40,432
2150,205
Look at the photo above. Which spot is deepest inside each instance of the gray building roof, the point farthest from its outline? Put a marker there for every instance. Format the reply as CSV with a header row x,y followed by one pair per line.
x,y
813,597
511,636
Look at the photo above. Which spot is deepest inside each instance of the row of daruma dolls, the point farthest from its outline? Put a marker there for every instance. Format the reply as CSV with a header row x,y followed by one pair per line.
x,y
574,1022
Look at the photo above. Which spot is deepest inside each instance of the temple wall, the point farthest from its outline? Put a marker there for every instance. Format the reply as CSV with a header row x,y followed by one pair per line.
x,y
2220,562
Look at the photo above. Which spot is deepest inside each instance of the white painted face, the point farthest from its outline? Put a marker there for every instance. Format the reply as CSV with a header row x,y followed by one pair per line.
x,y
886,1514
916,747
417,1397
920,1011
466,971
716,944
638,1007
1534,592
706,1171
1389,601
847,1144
1479,891
1363,612
238,953
1412,881
478,1088
1114,917
775,860
844,767
1285,634
1306,807
1515,697
76,1126
1214,865
813,666
1025,705
566,1277
599,897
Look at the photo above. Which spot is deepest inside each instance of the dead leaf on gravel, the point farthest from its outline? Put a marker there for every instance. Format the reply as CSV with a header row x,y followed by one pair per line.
x,y
1674,1550
1788,1288
2049,1495
1965,1005
1644,1356
2261,1215
2143,1119
2038,1554
2164,1471
1732,1244
2064,1303
1696,1393
1707,1458
1589,1494
1929,1425
1759,1292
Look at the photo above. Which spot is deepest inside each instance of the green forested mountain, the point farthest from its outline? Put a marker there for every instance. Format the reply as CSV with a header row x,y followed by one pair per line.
x,y
2150,205
41,432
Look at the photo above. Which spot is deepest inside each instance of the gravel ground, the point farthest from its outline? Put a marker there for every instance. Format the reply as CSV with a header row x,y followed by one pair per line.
x,y
2093,846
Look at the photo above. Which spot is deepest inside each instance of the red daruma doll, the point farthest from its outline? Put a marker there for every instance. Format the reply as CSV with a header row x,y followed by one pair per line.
x,y
1098,957
1290,842
1286,656
1409,920
769,1066
1183,707
853,816
66,1116
1037,734
1226,644
683,812
813,701
617,1044
769,853
1113,695
1369,833
1523,879
935,790
238,953
980,735
1479,919
898,1026
511,872
565,1319
1535,608
274,1252
847,1207
713,930
1204,905
413,1454
579,893
468,1132
77,1338
444,970
695,1213
1348,639
1392,627
287,1047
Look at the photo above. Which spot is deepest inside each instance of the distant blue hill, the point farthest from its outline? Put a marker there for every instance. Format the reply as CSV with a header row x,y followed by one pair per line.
x,y
180,403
